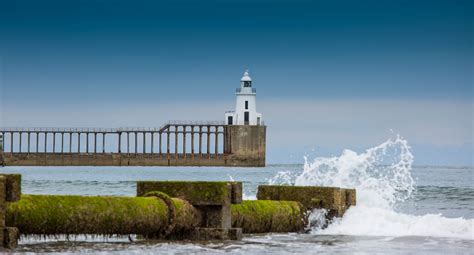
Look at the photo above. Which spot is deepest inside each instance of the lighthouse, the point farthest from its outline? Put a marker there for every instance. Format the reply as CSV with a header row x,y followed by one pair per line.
x,y
246,105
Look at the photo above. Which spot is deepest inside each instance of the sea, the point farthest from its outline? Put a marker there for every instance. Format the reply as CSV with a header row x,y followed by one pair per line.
x,y
401,208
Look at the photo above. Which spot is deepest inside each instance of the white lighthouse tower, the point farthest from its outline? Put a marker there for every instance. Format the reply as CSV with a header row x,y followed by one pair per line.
x,y
246,106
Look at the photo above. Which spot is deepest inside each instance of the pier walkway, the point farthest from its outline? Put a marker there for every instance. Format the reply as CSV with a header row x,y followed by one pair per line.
x,y
174,143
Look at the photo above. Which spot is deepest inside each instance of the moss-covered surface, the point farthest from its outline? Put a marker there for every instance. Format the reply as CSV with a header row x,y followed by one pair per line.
x,y
3,191
261,216
53,215
147,216
13,187
336,200
197,193
10,237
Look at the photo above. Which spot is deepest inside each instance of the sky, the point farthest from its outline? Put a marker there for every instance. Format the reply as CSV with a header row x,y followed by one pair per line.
x,y
330,75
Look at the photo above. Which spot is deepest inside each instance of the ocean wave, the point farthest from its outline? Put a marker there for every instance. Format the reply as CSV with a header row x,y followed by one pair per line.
x,y
382,177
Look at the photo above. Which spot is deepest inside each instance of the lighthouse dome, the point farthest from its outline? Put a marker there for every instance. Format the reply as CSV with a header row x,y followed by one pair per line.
x,y
246,76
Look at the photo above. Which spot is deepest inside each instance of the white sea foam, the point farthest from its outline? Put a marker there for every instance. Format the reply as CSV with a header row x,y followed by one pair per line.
x,y
381,176
373,221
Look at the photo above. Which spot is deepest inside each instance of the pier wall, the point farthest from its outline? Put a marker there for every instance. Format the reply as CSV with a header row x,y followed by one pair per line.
x,y
246,144
174,145
115,159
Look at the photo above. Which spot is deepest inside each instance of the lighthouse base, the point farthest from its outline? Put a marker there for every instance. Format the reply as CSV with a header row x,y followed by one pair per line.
x,y
245,145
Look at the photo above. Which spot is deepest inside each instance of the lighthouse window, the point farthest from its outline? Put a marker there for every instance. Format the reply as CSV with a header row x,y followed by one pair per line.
x,y
246,105
247,84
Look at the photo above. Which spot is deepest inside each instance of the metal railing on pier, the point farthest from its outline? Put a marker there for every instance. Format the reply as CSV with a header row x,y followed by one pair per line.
x,y
172,138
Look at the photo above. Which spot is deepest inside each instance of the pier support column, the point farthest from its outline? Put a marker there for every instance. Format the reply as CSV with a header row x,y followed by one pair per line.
x,y
208,142
45,142
54,142
119,142
95,142
37,142
152,138
128,143
159,141
184,141
136,143
103,142
224,131
29,142
19,148
176,142
11,142
168,143
70,142
192,142
3,142
216,148
200,141
87,142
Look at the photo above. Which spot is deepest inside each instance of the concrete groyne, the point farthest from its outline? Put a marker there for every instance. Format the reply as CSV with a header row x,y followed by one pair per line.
x,y
170,210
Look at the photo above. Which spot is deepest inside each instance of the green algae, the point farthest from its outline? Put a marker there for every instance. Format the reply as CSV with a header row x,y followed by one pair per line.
x,y
334,199
262,216
197,193
102,215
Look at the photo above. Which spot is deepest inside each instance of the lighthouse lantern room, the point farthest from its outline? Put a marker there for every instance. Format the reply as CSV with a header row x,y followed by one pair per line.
x,y
246,106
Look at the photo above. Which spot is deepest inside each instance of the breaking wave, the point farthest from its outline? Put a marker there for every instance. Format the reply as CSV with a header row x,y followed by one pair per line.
x,y
382,179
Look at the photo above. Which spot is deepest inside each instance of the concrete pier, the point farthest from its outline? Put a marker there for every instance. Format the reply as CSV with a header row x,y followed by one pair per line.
x,y
187,144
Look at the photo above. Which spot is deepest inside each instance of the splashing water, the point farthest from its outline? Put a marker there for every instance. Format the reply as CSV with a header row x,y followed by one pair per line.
x,y
381,174
382,179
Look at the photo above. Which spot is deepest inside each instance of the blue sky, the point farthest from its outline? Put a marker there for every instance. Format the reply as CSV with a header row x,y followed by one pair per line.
x,y
333,74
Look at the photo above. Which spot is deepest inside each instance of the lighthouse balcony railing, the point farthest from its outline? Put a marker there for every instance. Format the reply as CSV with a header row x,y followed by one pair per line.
x,y
239,90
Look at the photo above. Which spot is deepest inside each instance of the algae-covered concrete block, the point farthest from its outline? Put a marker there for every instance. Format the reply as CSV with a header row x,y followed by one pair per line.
x,y
332,198
217,234
3,190
3,205
350,197
10,237
196,193
13,187
212,199
3,185
215,216
235,233
2,238
3,212
236,193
